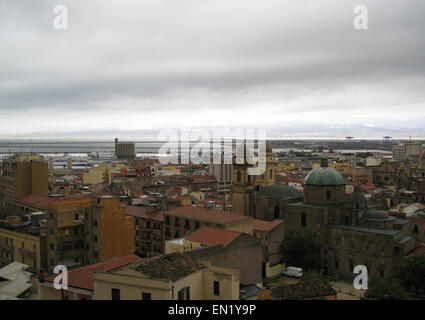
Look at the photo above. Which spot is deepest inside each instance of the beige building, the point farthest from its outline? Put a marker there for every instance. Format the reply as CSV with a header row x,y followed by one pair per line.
x,y
24,248
88,230
169,277
244,185
97,175
21,175
80,280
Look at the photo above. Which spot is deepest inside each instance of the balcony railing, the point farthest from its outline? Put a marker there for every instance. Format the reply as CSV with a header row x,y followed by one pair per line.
x,y
6,246
28,253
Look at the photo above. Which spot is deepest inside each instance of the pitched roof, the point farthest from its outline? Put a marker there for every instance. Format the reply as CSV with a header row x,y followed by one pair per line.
x,y
212,236
314,288
36,200
172,267
83,277
205,214
41,201
142,212
266,226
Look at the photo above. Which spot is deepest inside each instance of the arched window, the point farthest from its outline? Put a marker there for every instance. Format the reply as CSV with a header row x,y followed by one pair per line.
x,y
276,212
271,174
238,176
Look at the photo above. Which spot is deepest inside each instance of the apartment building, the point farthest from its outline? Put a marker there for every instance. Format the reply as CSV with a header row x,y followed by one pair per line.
x,y
148,229
405,150
182,221
224,175
18,244
21,175
87,230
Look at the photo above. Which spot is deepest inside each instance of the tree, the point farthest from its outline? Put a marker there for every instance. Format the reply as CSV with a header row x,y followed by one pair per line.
x,y
384,291
303,248
411,273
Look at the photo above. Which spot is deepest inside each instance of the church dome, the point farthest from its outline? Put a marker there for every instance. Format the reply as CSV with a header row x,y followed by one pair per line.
x,y
374,215
279,191
324,176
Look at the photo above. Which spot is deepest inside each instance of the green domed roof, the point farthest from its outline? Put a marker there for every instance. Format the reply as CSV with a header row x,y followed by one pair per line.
x,y
279,191
324,176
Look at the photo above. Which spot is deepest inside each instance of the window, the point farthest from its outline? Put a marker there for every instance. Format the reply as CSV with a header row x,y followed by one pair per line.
x,y
167,220
216,288
188,293
146,296
336,264
415,229
95,238
51,215
197,225
396,251
276,212
351,267
95,254
381,273
51,246
51,231
115,294
328,194
76,216
271,174
180,294
95,222
238,176
303,219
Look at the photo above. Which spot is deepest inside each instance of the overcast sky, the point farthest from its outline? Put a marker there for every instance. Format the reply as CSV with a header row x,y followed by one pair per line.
x,y
274,64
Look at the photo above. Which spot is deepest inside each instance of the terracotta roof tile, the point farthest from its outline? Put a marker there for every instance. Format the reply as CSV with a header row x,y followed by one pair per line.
x,y
303,290
266,226
142,212
83,277
172,267
44,201
205,214
213,236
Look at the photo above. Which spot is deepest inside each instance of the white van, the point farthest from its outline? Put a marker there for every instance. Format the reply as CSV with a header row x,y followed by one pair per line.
x,y
294,272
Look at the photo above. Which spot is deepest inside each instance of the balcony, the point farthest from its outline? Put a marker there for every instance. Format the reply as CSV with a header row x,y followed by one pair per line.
x,y
6,246
69,223
27,253
5,260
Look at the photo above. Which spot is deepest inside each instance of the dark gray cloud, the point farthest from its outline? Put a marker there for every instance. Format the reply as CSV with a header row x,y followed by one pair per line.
x,y
162,63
